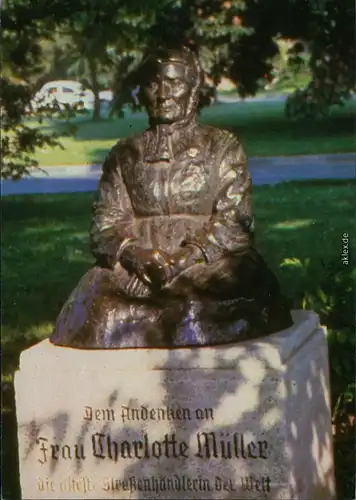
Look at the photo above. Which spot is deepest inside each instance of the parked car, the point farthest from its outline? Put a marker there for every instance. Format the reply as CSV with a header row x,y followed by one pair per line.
x,y
106,95
61,93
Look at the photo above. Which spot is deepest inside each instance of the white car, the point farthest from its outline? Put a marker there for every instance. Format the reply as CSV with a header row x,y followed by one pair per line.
x,y
63,92
106,95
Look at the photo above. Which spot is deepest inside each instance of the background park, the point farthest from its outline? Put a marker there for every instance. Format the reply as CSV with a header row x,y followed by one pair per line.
x,y
279,74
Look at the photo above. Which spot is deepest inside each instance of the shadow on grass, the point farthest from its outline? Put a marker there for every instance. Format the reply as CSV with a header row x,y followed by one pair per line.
x,y
46,251
46,247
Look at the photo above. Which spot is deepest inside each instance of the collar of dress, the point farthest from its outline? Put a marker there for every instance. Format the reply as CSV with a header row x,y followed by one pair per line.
x,y
159,146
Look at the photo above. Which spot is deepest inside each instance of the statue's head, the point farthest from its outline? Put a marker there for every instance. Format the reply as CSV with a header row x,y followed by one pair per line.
x,y
170,85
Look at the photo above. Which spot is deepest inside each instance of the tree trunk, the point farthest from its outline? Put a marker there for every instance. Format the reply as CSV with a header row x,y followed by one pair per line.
x,y
95,88
216,82
215,97
96,112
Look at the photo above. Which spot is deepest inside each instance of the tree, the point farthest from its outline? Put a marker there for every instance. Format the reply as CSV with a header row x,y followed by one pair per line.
x,y
27,27
24,24
331,38
85,37
238,40
209,25
103,37
235,38
100,38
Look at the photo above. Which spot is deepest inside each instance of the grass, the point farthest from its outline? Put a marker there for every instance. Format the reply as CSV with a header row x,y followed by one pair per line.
x,y
45,246
262,127
45,251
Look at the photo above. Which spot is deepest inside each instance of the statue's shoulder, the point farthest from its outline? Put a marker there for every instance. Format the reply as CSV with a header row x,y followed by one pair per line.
x,y
124,150
129,145
225,146
219,137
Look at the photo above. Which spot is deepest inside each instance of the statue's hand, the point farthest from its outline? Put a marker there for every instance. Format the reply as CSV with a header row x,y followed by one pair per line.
x,y
185,257
150,266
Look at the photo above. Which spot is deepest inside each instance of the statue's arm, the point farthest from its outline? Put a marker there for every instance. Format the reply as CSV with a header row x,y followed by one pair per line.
x,y
112,222
112,236
230,227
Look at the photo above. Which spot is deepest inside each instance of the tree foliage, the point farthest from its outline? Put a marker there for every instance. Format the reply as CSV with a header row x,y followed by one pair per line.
x,y
237,40
23,25
93,36
331,39
18,140
102,41
79,30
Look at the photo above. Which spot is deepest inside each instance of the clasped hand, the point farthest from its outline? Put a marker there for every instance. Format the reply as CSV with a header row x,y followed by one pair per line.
x,y
155,268
151,267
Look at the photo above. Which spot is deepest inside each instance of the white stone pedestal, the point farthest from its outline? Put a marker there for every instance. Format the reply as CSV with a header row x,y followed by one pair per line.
x,y
244,421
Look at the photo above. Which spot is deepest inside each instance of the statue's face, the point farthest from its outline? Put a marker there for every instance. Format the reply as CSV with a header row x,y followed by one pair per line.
x,y
167,94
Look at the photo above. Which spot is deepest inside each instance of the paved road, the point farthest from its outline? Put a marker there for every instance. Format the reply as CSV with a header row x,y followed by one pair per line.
x,y
84,178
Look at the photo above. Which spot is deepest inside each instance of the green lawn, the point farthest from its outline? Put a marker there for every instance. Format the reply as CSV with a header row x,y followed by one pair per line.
x,y
262,127
45,251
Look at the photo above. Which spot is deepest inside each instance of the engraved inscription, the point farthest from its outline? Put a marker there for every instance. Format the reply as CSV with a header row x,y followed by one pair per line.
x,y
105,445
179,483
99,415
226,446
56,452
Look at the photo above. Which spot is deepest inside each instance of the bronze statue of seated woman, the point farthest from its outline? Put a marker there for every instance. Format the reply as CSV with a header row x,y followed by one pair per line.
x,y
172,233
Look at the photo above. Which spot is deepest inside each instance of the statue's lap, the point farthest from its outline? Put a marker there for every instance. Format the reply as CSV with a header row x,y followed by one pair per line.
x,y
205,305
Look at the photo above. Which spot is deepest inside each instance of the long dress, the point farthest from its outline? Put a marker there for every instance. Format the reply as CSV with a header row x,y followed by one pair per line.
x,y
200,196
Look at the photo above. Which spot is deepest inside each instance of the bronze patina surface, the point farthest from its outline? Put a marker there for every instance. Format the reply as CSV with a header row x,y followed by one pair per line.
x,y
172,233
